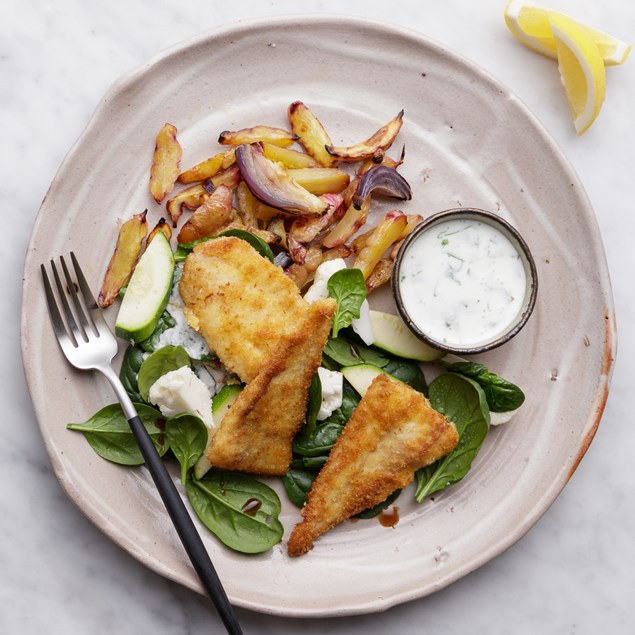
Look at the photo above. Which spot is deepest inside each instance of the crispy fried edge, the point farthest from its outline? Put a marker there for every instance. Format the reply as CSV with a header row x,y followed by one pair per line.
x,y
241,432
346,451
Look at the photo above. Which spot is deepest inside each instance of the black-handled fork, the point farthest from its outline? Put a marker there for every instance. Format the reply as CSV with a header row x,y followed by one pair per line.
x,y
88,344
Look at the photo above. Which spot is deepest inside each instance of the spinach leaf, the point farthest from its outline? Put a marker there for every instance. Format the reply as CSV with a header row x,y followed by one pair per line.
x,y
348,288
314,403
347,353
132,361
318,443
371,512
309,462
158,364
185,249
297,485
464,403
187,437
166,321
501,394
109,433
255,241
408,372
241,511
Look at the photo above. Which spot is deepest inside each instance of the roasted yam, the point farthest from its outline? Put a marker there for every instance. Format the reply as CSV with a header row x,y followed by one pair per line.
x,y
275,136
165,163
348,226
321,180
392,433
288,157
127,252
374,147
311,133
191,198
388,231
257,432
161,227
208,168
242,304
305,229
210,218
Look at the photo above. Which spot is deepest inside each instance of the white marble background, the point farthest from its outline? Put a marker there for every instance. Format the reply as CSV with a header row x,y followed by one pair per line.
x,y
574,573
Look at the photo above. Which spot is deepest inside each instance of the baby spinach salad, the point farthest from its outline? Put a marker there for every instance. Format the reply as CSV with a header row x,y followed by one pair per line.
x,y
242,511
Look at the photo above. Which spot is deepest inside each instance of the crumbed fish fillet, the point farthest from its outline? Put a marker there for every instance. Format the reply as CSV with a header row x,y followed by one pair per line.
x,y
240,302
256,434
392,433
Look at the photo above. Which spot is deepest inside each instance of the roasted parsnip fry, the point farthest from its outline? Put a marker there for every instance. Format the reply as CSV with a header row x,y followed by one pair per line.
x,y
380,274
191,198
165,163
276,226
299,274
210,218
321,180
275,136
305,229
297,250
247,205
348,226
311,133
124,259
229,177
313,258
412,221
341,251
379,241
208,168
367,164
162,227
374,147
288,157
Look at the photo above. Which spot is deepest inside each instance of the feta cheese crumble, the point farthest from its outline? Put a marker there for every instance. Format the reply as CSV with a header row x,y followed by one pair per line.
x,y
319,291
332,392
182,391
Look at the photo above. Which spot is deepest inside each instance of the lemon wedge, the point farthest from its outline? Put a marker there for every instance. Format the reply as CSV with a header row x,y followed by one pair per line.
x,y
581,70
531,25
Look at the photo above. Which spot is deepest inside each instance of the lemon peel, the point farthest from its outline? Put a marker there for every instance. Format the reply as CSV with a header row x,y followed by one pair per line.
x,y
530,24
581,69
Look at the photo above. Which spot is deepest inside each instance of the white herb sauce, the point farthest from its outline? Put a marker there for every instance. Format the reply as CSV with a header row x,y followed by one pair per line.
x,y
462,282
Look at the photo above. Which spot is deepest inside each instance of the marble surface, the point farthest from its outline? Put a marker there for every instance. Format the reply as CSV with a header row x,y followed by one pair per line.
x,y
572,574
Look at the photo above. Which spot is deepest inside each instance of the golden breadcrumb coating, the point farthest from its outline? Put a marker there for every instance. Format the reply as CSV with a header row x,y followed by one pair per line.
x,y
392,433
256,434
240,302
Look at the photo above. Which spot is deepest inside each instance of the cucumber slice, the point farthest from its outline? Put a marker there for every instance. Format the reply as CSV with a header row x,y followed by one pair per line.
x,y
361,376
393,336
221,403
148,292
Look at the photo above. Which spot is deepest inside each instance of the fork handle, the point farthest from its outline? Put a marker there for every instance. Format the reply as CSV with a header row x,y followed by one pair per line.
x,y
184,526
176,509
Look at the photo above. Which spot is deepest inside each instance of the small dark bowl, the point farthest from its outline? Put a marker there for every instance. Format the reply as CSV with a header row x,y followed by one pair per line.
x,y
519,244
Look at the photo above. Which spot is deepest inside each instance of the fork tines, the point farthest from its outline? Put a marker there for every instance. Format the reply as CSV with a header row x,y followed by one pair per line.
x,y
75,323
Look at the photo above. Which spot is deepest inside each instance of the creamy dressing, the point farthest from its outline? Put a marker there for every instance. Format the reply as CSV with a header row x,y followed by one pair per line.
x,y
462,282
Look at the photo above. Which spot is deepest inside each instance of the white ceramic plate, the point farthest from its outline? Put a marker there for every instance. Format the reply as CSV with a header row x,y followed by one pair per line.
x,y
469,141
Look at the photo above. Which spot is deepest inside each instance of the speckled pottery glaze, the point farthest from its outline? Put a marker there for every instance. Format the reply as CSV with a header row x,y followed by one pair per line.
x,y
469,142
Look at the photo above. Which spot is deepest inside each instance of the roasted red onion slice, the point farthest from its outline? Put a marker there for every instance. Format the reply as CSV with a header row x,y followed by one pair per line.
x,y
271,183
381,180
